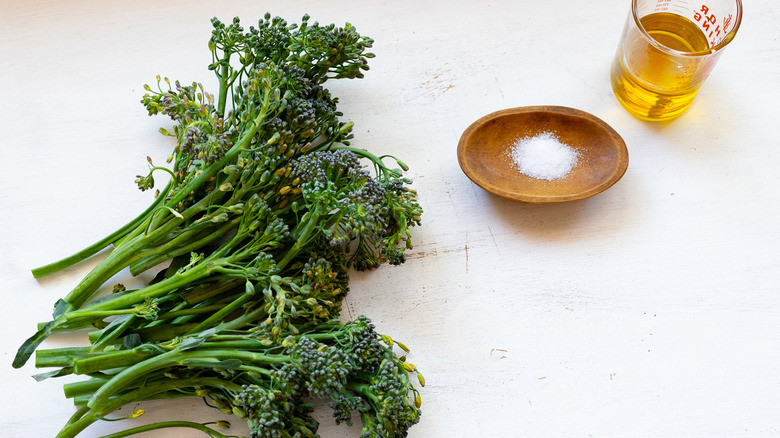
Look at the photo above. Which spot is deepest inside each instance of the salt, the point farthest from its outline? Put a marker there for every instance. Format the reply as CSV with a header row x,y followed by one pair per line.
x,y
543,156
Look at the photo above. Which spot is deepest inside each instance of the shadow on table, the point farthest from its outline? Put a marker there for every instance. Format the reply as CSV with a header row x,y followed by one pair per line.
x,y
592,218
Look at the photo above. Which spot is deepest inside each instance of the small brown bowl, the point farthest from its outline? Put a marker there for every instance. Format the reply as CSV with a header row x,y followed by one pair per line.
x,y
483,153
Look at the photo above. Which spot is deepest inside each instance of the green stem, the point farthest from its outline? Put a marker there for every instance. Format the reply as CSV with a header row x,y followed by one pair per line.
x,y
221,314
223,85
109,338
300,241
365,391
81,400
102,243
164,332
75,389
201,270
239,146
205,291
80,412
61,357
380,166
92,312
172,283
124,254
256,370
91,414
165,425
172,358
184,243
252,345
192,311
114,359
116,260
210,199
244,320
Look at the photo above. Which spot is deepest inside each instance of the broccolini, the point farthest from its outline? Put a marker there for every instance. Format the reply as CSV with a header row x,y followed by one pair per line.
x,y
266,208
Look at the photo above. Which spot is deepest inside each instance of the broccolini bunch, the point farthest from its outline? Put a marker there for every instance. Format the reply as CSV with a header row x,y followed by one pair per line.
x,y
246,374
266,208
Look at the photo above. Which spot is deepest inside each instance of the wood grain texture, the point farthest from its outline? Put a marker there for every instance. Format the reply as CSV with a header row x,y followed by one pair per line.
x,y
485,148
650,310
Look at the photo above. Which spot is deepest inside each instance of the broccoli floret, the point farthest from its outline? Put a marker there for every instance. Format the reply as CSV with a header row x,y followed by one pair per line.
x,y
264,410
325,368
344,405
395,413
373,213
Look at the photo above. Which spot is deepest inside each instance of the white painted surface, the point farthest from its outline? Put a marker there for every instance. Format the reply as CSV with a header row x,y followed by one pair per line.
x,y
650,310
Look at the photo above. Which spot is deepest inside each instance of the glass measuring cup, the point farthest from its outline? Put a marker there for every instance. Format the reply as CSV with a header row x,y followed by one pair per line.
x,y
667,50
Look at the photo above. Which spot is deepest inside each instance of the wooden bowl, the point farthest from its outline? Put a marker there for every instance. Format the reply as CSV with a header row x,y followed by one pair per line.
x,y
483,153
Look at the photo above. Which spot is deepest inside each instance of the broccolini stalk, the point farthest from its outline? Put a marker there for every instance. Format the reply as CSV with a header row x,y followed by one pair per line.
x,y
172,424
102,243
246,374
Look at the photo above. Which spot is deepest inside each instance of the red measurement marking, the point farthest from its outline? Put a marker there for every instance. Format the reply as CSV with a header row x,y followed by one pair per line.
x,y
726,23
708,23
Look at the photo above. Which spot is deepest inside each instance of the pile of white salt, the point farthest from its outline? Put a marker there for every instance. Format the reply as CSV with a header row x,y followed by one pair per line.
x,y
542,156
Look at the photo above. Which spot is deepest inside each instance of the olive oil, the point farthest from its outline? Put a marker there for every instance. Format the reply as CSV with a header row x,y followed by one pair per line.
x,y
675,32
658,78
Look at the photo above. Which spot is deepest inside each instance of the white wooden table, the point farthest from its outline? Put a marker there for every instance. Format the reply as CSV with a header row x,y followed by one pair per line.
x,y
650,310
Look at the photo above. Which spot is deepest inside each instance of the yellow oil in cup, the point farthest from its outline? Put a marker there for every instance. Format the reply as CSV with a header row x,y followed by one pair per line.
x,y
667,50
